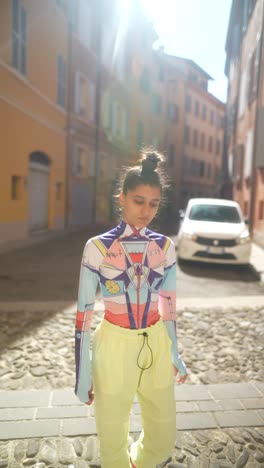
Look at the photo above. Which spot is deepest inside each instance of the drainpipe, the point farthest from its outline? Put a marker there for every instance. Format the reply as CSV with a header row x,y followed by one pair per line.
x,y
98,78
68,124
258,103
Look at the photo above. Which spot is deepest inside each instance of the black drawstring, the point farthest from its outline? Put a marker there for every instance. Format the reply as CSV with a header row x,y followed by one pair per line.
x,y
151,353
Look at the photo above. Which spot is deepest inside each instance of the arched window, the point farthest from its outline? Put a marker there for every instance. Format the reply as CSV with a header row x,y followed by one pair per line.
x,y
39,157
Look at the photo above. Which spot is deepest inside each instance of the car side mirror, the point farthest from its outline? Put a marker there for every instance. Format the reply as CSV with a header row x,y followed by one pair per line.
x,y
246,221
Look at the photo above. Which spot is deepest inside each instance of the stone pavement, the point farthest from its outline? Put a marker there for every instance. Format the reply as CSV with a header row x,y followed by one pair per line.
x,y
44,413
218,425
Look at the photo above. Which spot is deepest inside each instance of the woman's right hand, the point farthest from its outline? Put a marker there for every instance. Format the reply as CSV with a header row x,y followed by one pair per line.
x,y
91,396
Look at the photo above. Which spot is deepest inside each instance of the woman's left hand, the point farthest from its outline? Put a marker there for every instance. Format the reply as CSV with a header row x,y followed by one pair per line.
x,y
181,378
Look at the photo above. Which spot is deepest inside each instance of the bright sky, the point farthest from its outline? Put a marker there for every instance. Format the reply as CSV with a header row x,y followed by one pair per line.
x,y
194,29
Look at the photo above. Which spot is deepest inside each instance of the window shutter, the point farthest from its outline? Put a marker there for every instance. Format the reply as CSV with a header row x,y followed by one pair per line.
x,y
92,100
248,154
74,160
77,93
23,41
256,66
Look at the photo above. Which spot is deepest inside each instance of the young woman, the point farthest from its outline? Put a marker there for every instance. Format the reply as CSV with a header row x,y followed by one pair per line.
x,y
135,346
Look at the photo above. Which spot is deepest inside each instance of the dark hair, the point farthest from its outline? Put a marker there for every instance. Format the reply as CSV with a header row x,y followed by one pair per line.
x,y
146,173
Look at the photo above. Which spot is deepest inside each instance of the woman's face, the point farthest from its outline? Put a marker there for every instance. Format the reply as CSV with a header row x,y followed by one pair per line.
x,y
140,205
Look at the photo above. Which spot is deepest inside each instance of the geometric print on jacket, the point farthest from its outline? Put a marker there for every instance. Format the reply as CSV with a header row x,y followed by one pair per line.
x,y
136,270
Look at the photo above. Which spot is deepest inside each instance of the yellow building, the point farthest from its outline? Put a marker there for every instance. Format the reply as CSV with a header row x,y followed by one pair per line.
x,y
33,102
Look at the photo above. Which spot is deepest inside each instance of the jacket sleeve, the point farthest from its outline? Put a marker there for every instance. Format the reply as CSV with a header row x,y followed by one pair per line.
x,y
86,298
167,304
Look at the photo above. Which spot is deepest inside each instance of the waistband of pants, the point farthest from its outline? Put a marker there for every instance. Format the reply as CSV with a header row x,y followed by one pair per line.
x,y
131,333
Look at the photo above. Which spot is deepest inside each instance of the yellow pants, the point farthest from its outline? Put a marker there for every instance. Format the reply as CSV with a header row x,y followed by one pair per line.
x,y
118,355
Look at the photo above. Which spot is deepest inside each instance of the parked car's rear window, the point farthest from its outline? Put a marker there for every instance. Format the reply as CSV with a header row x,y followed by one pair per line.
x,y
215,213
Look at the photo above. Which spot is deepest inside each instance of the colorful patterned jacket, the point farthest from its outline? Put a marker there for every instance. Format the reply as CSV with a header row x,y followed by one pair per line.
x,y
136,270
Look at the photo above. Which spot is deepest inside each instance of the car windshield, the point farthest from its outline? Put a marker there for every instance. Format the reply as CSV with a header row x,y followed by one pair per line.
x,y
215,213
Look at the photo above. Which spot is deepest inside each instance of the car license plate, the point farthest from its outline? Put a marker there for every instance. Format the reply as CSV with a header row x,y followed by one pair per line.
x,y
215,250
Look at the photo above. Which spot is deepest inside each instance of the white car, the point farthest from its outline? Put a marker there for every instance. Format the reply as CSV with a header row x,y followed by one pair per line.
x,y
213,230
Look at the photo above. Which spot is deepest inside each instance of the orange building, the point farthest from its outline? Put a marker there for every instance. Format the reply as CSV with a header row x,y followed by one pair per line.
x,y
245,110
33,102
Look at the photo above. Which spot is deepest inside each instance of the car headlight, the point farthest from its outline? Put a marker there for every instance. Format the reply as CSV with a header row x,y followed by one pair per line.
x,y
244,238
189,236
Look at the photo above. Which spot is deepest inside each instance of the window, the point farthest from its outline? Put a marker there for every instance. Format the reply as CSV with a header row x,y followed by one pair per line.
x,y
19,37
161,75
156,104
140,135
210,144
172,154
85,22
173,112
193,167
248,153
193,77
246,208
215,213
253,72
188,103
261,209
16,188
245,16
217,147
202,143
201,169
195,138
81,95
251,77
204,112
212,117
58,189
92,100
80,162
256,70
242,97
187,134
61,81
145,82
209,170
197,108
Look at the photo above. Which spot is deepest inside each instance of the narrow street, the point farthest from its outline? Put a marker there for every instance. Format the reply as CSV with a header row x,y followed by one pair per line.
x,y
49,271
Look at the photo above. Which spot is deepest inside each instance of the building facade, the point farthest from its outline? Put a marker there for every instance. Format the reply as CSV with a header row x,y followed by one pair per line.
x,y
33,54
245,110
194,132
82,91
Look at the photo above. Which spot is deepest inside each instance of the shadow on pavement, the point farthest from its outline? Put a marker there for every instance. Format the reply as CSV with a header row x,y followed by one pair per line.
x,y
47,271
244,273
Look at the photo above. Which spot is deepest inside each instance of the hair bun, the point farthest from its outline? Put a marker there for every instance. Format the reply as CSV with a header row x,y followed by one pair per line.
x,y
150,162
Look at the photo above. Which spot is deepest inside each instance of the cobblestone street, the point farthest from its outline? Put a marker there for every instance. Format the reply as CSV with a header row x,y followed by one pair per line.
x,y
222,343
219,345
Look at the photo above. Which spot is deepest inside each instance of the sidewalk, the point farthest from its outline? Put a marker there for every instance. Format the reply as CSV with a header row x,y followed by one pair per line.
x,y
44,413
